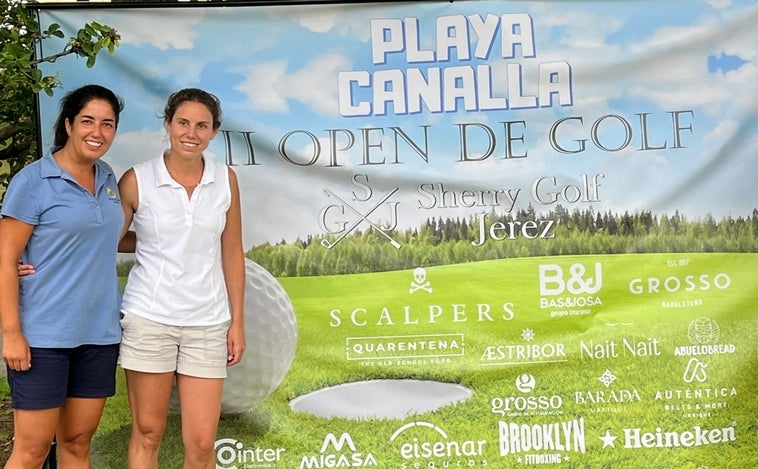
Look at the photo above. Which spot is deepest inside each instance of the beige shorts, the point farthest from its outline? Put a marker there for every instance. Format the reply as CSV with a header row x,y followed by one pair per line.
x,y
153,347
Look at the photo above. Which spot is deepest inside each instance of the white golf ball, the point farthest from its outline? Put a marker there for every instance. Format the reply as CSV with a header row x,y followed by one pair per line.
x,y
271,336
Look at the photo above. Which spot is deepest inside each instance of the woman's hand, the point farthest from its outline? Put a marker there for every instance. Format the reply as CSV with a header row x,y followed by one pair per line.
x,y
235,343
25,269
16,352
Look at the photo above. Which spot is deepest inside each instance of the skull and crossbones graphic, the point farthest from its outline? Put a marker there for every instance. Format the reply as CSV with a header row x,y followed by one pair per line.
x,y
419,281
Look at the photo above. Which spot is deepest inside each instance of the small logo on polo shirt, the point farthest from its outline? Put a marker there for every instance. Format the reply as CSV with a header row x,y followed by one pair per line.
x,y
111,193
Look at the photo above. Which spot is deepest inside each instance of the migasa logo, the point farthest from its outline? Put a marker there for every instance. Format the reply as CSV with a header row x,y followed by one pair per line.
x,y
575,288
338,452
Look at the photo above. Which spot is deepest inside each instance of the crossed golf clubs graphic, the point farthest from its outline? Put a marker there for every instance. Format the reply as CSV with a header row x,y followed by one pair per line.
x,y
363,217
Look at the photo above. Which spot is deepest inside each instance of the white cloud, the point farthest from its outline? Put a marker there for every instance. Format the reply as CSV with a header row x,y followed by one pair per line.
x,y
719,4
150,28
268,87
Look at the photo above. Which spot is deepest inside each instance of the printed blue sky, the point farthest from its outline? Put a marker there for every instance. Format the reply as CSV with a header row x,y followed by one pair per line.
x,y
275,70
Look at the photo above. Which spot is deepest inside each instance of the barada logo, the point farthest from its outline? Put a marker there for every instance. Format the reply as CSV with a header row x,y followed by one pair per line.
x,y
608,400
338,452
575,294
424,444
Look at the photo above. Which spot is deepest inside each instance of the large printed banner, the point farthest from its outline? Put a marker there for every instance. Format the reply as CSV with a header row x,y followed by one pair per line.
x,y
479,233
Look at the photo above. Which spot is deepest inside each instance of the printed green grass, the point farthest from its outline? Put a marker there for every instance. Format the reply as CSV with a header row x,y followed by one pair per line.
x,y
463,299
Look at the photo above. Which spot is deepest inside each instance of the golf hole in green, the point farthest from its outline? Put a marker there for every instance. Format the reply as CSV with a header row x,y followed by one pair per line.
x,y
380,399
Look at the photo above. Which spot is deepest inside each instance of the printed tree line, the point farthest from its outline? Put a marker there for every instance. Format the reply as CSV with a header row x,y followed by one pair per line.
x,y
441,241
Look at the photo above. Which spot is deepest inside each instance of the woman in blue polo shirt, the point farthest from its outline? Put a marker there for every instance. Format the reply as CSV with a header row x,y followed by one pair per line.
x,y
60,326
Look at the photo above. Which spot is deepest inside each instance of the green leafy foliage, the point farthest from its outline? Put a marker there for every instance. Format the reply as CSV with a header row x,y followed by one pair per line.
x,y
20,36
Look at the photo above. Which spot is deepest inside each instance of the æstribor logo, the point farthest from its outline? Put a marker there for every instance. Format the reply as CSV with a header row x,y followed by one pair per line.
x,y
553,282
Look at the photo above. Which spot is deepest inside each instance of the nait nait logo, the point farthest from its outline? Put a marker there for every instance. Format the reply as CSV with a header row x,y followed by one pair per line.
x,y
570,292
338,452
232,454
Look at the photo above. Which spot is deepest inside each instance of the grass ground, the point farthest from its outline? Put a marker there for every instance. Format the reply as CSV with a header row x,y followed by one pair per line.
x,y
6,425
321,361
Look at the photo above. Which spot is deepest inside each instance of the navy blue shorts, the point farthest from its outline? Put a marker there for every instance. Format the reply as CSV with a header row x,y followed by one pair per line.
x,y
59,373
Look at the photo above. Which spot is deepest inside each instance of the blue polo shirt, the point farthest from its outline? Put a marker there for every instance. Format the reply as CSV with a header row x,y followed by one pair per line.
x,y
73,298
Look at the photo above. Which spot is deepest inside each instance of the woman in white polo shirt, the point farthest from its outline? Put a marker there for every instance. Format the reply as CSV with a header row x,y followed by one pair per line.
x,y
182,310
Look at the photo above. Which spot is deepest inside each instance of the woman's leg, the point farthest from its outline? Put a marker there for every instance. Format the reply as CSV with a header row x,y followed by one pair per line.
x,y
200,404
77,424
33,432
91,380
149,396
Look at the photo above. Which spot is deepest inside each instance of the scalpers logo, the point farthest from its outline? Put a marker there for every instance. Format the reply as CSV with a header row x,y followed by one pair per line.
x,y
424,444
577,292
333,454
420,282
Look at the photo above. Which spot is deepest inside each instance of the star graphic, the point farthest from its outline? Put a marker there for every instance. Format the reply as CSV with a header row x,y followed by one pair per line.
x,y
608,439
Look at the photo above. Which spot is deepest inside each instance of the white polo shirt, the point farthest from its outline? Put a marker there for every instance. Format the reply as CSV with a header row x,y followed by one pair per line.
x,y
177,278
